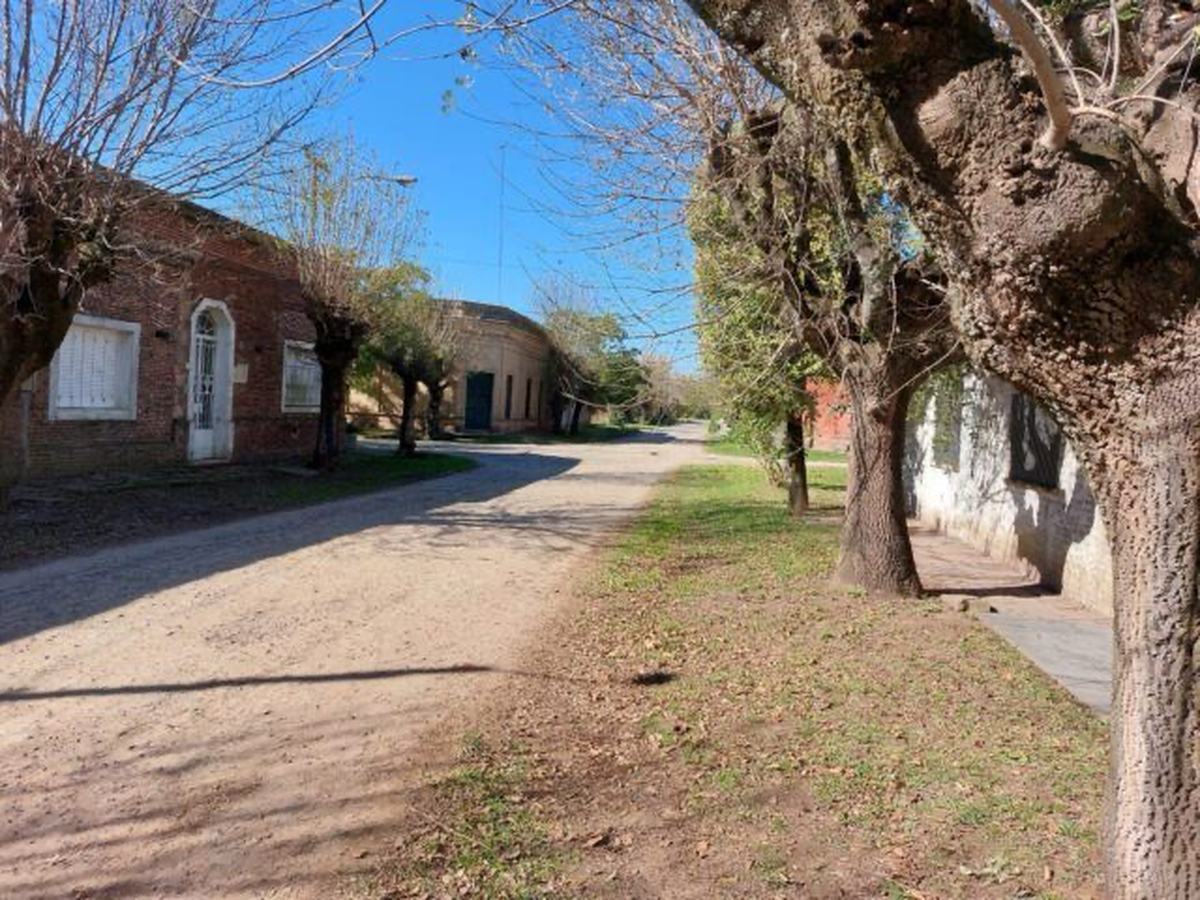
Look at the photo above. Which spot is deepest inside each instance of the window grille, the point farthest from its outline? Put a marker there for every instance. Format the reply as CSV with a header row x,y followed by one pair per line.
x,y
301,379
1036,443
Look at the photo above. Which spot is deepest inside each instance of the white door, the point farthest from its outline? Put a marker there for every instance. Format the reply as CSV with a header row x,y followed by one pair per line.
x,y
210,388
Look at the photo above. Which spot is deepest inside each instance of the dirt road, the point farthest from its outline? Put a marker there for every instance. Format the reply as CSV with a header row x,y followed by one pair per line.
x,y
229,713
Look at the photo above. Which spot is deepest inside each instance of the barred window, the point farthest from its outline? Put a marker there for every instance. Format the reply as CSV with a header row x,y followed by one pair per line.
x,y
301,378
1036,443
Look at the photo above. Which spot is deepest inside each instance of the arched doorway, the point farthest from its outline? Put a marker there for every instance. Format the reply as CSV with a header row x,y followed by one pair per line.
x,y
210,383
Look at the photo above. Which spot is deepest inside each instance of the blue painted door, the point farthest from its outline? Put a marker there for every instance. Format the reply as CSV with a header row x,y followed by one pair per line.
x,y
479,401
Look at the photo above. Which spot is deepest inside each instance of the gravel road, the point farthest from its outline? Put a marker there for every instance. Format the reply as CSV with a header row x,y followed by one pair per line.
x,y
230,713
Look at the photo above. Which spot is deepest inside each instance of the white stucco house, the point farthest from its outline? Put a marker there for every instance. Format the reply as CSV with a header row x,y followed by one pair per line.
x,y
986,464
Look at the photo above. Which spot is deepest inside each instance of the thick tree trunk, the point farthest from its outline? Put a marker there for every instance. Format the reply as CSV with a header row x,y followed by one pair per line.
x,y
576,414
797,466
408,440
1153,817
330,427
875,552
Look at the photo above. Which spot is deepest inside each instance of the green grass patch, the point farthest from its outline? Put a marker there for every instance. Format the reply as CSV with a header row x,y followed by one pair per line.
x,y
729,445
363,472
909,726
486,841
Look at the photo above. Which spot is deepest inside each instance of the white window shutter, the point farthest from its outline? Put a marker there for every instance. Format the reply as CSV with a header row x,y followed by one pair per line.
x,y
93,371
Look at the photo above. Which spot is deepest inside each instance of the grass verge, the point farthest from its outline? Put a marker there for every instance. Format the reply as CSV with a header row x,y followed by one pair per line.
x,y
716,720
731,446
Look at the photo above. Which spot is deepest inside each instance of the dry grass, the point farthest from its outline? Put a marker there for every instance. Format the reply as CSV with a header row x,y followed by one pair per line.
x,y
784,739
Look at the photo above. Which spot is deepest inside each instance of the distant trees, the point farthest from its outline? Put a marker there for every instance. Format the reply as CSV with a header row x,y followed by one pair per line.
x,y
417,339
591,364
345,227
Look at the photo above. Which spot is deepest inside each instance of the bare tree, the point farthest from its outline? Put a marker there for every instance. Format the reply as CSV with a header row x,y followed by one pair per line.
x,y
1061,200
345,227
100,100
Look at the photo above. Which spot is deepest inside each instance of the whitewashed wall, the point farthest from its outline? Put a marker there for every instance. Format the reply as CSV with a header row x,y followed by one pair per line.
x,y
1057,534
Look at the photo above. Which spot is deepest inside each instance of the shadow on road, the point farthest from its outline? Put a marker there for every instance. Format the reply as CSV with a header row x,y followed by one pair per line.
x,y
55,593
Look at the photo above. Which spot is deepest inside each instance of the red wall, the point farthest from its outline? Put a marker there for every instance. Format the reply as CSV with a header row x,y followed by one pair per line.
x,y
831,425
193,257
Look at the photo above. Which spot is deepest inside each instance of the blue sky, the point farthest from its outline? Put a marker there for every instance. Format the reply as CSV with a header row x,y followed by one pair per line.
x,y
397,108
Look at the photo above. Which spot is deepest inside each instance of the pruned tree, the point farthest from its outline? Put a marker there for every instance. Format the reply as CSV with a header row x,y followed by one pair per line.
x,y
106,108
416,339
345,227
1061,202
849,285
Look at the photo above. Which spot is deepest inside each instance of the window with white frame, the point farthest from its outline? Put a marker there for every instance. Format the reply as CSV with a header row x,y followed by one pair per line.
x,y
94,372
301,378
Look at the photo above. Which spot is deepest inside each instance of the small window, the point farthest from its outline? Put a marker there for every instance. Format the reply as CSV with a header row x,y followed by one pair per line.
x,y
301,378
528,395
94,373
508,397
1036,443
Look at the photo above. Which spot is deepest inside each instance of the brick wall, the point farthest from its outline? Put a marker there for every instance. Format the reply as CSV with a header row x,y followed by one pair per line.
x,y
185,257
831,422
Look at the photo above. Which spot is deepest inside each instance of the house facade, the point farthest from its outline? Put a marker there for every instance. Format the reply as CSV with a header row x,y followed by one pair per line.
x,y
986,464
198,352
501,383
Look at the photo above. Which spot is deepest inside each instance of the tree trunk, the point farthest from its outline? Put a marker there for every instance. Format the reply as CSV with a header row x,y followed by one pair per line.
x,y
433,415
576,414
408,440
330,428
876,553
798,485
1152,823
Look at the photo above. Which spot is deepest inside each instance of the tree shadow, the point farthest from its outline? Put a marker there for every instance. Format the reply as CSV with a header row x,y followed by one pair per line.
x,y
55,593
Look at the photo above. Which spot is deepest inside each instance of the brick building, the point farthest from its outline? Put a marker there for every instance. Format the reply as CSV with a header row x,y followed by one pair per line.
x,y
831,419
200,351
985,463
501,381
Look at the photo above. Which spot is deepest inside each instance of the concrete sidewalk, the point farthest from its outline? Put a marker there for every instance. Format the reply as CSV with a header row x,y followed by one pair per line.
x,y
1070,643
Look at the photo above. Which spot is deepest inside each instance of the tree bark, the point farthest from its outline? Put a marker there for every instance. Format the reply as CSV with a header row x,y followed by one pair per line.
x,y
1076,276
433,415
798,466
876,553
1152,822
576,414
330,428
408,440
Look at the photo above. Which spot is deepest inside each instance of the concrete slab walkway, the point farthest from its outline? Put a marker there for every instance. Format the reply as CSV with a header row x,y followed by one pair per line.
x,y
1069,642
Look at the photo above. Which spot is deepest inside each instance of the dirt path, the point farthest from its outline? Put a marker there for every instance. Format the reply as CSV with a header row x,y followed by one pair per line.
x,y
228,713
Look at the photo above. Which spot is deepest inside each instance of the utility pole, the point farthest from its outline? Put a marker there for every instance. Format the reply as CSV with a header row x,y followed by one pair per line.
x,y
500,248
